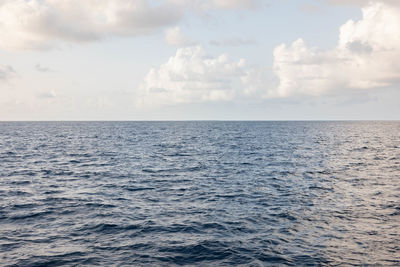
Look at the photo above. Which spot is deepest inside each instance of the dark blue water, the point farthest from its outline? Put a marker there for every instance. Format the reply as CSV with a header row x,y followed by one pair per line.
x,y
199,193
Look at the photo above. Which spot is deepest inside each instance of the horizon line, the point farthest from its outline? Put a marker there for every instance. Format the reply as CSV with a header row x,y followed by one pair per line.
x,y
216,120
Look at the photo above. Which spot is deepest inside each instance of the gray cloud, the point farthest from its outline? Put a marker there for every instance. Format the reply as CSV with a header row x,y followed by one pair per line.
x,y
219,4
40,68
359,47
6,71
47,94
48,21
361,3
311,9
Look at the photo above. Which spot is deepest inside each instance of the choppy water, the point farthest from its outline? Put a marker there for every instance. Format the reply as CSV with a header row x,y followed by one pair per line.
x,y
199,193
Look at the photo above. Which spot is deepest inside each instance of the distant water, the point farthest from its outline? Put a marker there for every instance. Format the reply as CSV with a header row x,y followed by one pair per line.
x,y
199,193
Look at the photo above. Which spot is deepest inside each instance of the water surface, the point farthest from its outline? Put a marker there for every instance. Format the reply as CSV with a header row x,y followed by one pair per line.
x,y
199,193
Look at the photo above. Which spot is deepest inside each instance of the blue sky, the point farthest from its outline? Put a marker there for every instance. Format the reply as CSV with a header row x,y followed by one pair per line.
x,y
210,59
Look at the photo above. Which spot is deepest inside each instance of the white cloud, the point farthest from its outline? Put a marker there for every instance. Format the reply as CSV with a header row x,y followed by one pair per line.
x,y
366,57
174,37
36,24
191,76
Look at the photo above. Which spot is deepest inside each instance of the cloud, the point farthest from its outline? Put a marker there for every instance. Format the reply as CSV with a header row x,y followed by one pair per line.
x,y
41,24
232,42
174,37
38,24
311,9
6,71
40,68
232,4
347,2
366,57
219,4
361,3
191,76
47,94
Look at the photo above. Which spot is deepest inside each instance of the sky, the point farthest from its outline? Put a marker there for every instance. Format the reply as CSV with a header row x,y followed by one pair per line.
x,y
199,60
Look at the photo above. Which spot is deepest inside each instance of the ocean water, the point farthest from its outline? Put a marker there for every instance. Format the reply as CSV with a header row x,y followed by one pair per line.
x,y
199,193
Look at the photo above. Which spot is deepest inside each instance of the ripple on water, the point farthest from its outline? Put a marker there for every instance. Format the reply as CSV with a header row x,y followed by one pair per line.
x,y
199,193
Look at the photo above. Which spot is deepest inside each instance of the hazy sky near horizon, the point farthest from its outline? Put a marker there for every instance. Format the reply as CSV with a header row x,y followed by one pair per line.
x,y
199,59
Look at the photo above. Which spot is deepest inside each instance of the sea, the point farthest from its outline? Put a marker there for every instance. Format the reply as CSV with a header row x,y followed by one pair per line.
x,y
200,193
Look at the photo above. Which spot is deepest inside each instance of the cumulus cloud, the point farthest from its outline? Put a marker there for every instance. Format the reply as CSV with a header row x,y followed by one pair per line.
x,y
365,57
27,24
175,37
192,76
